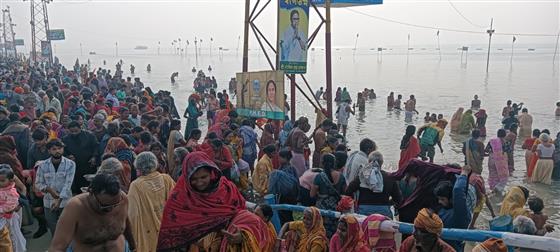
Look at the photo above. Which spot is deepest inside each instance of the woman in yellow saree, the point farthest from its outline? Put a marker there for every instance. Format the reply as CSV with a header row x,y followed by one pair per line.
x,y
308,235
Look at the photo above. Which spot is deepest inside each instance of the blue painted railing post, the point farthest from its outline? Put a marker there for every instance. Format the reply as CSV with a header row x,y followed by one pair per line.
x,y
270,199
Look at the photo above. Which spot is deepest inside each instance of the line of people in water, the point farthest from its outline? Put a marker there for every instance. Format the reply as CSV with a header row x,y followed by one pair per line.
x,y
76,157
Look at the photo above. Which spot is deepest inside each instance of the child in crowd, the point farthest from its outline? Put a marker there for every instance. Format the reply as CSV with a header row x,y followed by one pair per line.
x,y
536,205
11,238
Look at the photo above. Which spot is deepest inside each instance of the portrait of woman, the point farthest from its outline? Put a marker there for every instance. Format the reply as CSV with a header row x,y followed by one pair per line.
x,y
270,101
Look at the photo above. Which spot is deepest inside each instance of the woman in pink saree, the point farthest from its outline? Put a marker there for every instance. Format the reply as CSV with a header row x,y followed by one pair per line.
x,y
498,171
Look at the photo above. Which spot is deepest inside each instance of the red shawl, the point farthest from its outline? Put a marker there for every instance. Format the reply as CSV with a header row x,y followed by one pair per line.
x,y
190,215
247,221
411,152
355,241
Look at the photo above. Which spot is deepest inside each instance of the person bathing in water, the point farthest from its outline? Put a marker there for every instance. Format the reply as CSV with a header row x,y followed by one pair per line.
x,y
173,76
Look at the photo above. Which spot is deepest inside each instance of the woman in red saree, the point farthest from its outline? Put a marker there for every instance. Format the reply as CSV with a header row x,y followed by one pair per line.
x,y
349,237
409,146
201,203
247,232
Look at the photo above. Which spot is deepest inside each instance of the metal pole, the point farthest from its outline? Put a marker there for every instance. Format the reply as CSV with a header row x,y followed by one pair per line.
x,y
438,47
293,96
328,67
511,57
490,32
196,50
117,49
555,48
245,66
81,51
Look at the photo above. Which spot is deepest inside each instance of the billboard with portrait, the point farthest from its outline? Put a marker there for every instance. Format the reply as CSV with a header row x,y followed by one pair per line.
x,y
293,26
261,94
45,48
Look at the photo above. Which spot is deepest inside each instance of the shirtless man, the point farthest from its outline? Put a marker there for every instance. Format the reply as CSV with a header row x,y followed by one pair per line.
x,y
95,220
410,108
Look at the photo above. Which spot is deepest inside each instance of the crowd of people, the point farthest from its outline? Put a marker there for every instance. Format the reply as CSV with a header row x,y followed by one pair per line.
x,y
95,151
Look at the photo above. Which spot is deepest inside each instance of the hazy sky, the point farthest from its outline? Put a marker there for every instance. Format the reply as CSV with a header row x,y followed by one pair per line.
x,y
100,23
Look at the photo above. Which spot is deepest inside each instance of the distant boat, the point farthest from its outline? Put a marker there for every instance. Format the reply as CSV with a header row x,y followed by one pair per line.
x,y
92,53
225,49
423,49
531,49
500,49
313,49
479,49
140,47
410,48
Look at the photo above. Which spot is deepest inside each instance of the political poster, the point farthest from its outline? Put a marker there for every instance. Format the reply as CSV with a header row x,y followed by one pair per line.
x,y
46,48
261,94
56,34
293,27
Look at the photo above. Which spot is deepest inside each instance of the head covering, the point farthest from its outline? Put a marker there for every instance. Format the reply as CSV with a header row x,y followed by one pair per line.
x,y
429,221
18,90
188,214
491,245
316,233
377,239
354,241
254,230
346,204
514,202
422,196
7,144
544,137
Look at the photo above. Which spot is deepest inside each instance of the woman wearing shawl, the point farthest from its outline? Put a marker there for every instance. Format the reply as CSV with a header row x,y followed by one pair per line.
x,y
201,203
467,123
545,164
375,189
328,187
498,171
409,146
349,237
175,140
528,147
146,198
345,96
284,183
474,152
481,117
535,155
307,235
8,155
298,142
267,137
456,120
288,126
380,241
428,175
426,237
247,233
337,95
514,202
192,114
118,147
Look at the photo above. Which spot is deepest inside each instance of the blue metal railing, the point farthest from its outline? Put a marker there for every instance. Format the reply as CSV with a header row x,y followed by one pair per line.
x,y
475,235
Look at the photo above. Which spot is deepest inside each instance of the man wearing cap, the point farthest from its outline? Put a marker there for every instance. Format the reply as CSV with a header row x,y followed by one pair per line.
x,y
426,237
